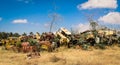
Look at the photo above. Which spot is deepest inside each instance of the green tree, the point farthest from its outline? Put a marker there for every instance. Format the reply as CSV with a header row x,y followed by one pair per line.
x,y
10,34
16,34
31,34
4,35
0,35
93,25
24,34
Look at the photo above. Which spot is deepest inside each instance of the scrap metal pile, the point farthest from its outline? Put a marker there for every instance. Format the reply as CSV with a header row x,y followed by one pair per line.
x,y
51,41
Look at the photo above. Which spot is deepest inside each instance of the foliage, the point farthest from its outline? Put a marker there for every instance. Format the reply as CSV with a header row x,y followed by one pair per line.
x,y
93,25
85,46
100,45
32,42
119,39
5,35
24,34
31,33
18,44
16,35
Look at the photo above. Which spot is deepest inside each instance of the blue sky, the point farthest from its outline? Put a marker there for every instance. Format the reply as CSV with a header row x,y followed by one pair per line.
x,y
33,15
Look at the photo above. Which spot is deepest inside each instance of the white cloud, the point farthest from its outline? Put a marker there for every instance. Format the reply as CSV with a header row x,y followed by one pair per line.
x,y
91,4
0,18
26,1
112,18
20,21
81,27
47,25
36,24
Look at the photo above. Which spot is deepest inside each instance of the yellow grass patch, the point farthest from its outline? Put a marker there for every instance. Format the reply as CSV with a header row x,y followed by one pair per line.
x,y
64,56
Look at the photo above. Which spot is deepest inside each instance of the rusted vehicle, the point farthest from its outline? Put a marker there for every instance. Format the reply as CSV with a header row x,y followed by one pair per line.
x,y
64,35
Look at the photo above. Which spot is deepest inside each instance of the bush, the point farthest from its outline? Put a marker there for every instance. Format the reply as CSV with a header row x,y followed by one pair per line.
x,y
32,42
101,46
85,46
18,44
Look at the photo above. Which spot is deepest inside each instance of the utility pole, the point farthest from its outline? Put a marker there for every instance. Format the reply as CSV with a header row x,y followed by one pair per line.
x,y
52,22
54,16
93,24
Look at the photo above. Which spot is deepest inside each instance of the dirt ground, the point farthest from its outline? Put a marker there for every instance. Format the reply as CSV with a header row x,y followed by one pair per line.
x,y
110,56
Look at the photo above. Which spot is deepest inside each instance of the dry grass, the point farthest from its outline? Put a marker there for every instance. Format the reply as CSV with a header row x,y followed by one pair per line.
x,y
64,56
